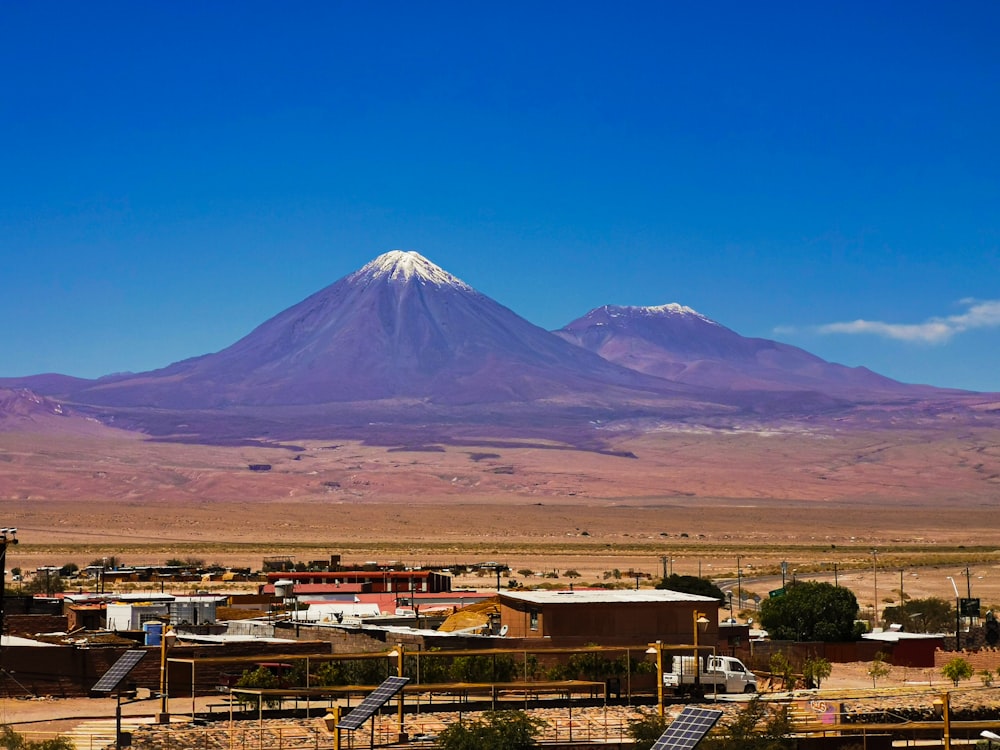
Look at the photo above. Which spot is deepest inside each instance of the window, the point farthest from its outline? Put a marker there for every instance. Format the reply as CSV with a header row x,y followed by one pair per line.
x,y
533,619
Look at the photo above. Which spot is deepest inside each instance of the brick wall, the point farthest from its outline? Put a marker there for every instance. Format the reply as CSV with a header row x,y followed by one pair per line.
x,y
984,658
28,625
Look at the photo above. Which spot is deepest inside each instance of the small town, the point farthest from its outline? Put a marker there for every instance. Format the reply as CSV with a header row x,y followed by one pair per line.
x,y
499,375
320,654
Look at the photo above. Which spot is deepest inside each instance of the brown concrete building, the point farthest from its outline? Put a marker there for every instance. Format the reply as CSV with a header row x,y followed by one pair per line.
x,y
609,618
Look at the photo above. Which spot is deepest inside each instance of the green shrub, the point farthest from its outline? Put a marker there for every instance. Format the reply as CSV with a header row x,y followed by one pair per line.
x,y
496,730
957,669
11,740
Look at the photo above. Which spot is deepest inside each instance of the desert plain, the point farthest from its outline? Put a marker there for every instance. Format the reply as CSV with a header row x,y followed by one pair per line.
x,y
878,509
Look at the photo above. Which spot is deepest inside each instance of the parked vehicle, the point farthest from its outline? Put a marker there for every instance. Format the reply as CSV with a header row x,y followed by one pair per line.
x,y
723,674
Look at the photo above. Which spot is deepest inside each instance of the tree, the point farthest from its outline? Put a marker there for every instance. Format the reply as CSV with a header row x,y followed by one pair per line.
x,y
781,667
957,669
692,585
878,668
496,730
932,615
261,677
69,570
47,583
812,611
816,669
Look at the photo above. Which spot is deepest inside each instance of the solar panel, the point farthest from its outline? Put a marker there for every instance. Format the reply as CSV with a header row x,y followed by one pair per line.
x,y
118,671
688,729
373,702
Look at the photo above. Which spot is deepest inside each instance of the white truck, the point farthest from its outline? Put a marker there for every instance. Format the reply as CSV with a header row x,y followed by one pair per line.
x,y
723,674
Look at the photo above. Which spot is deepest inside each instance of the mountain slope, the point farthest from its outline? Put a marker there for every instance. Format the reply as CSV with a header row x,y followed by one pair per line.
x,y
399,328
677,343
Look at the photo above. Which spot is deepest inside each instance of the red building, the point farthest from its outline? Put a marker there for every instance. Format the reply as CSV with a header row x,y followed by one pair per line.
x,y
371,581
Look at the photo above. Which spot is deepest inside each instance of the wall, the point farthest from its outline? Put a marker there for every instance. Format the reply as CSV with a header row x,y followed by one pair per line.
x,y
70,671
986,658
27,625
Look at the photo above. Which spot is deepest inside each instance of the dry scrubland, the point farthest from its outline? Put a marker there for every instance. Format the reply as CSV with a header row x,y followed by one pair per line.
x,y
696,499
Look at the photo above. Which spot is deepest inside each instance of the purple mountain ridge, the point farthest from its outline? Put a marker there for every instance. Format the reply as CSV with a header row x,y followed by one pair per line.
x,y
399,328
679,344
401,350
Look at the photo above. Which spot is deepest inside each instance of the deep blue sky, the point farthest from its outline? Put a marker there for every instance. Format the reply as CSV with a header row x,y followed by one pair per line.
x,y
173,174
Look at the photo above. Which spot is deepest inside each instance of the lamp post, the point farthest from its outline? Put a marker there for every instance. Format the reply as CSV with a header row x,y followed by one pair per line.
x,y
167,639
875,574
657,648
958,615
7,536
700,621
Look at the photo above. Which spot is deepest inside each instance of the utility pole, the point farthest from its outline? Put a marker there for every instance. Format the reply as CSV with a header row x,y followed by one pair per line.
x,y
7,536
739,583
875,573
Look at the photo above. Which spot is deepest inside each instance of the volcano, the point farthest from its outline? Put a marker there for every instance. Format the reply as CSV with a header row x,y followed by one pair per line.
x,y
399,328
682,345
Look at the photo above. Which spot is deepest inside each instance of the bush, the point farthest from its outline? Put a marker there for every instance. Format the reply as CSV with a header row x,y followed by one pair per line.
x,y
878,668
816,669
692,585
11,740
496,730
957,669
755,727
646,730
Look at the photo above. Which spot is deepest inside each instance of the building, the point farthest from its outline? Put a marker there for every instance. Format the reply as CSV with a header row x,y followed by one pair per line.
x,y
374,581
609,617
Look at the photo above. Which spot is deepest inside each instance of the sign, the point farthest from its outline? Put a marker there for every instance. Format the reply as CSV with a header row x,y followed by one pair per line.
x,y
969,607
776,593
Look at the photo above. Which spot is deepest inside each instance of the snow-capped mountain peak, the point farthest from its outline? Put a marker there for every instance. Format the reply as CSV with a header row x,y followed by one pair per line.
x,y
404,266
669,309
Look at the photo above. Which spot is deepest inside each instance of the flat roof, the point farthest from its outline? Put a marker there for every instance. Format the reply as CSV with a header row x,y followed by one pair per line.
x,y
894,636
607,596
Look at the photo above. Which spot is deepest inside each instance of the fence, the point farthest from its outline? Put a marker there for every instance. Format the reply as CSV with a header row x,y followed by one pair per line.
x,y
569,726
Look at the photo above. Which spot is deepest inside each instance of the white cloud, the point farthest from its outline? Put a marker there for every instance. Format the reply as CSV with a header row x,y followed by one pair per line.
x,y
979,314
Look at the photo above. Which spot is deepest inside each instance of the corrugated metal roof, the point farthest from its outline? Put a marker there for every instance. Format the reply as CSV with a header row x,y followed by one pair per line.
x,y
606,596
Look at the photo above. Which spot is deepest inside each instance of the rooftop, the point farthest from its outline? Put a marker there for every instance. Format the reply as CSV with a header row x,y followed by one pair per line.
x,y
606,596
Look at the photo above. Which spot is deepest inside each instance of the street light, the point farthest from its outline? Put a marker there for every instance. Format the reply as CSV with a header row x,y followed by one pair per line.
x,y
657,648
958,615
700,623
